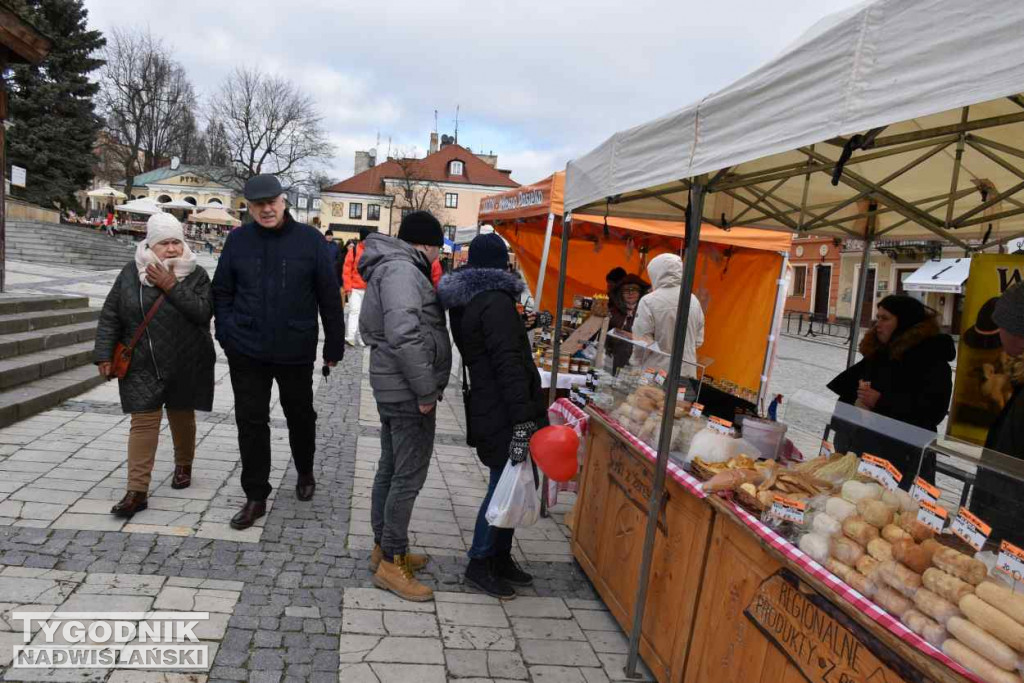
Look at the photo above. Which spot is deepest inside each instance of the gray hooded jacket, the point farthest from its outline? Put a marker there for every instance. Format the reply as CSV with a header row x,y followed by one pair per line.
x,y
402,321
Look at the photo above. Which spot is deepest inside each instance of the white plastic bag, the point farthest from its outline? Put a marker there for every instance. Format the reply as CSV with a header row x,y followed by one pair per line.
x,y
516,501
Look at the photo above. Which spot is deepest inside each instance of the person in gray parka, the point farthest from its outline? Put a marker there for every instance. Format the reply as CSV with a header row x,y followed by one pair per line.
x,y
172,364
410,359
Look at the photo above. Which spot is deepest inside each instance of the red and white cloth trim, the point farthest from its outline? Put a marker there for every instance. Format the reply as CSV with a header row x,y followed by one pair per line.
x,y
571,415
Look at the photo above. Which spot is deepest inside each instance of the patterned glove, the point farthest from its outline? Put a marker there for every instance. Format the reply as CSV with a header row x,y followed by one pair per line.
x,y
520,446
544,320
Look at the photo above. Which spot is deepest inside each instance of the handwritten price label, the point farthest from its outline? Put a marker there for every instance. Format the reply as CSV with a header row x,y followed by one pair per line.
x,y
721,426
827,450
932,515
923,491
696,410
881,470
661,378
647,376
970,529
1011,561
788,510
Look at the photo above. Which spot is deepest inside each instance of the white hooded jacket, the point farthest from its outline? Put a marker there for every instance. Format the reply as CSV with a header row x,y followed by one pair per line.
x,y
656,312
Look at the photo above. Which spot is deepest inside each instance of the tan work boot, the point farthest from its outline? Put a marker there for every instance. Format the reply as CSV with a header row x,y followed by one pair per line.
x,y
398,578
416,561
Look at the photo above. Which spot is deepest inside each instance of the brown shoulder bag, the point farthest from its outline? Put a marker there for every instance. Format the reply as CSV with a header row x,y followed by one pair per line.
x,y
122,359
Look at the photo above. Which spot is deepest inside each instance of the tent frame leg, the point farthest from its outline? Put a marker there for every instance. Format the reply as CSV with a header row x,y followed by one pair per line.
x,y
858,305
556,338
693,223
544,262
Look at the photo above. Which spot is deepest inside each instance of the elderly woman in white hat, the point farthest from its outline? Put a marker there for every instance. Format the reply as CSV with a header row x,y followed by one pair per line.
x,y
154,337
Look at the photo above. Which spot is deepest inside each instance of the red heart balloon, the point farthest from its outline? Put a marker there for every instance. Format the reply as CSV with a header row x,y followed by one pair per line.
x,y
554,450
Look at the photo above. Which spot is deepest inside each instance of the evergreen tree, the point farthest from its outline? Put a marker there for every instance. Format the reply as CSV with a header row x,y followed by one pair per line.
x,y
54,122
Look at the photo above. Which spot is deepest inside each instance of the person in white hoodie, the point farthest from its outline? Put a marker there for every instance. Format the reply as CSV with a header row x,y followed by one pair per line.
x,y
656,313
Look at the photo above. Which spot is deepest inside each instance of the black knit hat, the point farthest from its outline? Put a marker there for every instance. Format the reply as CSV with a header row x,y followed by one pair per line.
x,y
364,232
420,227
488,251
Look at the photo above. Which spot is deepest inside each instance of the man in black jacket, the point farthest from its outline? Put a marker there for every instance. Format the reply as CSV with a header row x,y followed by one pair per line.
x,y
273,277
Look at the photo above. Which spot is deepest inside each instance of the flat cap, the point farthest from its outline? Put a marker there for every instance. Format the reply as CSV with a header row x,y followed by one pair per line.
x,y
264,186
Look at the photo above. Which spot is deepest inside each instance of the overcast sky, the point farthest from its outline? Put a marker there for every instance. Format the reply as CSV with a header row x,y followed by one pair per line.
x,y
537,81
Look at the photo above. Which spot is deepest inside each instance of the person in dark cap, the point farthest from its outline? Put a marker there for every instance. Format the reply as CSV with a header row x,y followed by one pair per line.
x,y
505,404
613,278
355,287
410,359
273,278
999,498
337,257
905,375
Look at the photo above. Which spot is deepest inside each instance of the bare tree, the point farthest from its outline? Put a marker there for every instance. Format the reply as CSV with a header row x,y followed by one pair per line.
x,y
146,101
413,190
270,126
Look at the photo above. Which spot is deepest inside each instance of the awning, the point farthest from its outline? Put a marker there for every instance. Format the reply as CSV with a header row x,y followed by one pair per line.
x,y
215,216
146,207
946,275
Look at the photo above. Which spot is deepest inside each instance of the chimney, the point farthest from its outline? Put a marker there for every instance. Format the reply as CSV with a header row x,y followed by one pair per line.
x,y
433,144
364,161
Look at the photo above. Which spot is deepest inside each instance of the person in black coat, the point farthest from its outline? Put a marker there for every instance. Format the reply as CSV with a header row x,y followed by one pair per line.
x,y
623,300
998,496
172,364
273,278
905,375
505,404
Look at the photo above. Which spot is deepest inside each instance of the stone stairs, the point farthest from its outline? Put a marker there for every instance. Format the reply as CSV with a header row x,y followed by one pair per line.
x,y
69,246
45,353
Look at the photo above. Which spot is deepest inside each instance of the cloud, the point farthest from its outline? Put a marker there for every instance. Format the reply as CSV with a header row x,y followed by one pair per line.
x,y
537,82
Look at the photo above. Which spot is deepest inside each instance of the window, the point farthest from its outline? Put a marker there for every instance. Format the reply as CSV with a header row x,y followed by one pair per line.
x,y
316,204
455,168
373,212
355,210
798,285
451,200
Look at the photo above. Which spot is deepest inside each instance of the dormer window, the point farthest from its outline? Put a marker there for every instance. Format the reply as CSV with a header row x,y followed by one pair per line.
x,y
455,168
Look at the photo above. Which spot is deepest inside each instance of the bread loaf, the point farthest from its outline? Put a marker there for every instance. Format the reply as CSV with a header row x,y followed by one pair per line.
x,y
927,628
867,565
946,586
845,550
893,533
880,549
840,509
896,576
969,659
862,584
859,530
919,531
984,644
841,570
1003,599
916,556
875,512
891,601
993,621
939,609
961,566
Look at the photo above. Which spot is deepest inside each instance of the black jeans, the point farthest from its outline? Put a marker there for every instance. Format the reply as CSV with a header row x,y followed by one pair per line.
x,y
251,381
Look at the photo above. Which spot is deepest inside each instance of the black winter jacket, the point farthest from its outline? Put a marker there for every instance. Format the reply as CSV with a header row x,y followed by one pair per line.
x,y
490,334
999,499
913,376
172,365
267,290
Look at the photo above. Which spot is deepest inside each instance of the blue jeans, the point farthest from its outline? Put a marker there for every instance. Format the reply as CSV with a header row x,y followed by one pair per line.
x,y
490,541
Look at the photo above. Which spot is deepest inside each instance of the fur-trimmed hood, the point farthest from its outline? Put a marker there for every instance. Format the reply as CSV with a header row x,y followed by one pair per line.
x,y
457,289
924,337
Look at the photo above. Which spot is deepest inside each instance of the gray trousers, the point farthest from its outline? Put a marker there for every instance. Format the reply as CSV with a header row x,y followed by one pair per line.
x,y
406,442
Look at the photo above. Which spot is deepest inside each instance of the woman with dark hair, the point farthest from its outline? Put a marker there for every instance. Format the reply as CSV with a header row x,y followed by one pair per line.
x,y
904,374
623,300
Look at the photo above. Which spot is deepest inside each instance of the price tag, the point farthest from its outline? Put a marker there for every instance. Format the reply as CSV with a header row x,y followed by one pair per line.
x,y
661,378
696,410
827,450
881,470
647,376
1011,561
932,515
788,510
972,530
721,426
923,491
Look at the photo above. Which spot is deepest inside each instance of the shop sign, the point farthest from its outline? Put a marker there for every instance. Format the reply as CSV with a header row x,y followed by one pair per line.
x,y
932,515
922,490
822,642
881,470
788,510
982,372
971,529
1011,561
635,479
512,202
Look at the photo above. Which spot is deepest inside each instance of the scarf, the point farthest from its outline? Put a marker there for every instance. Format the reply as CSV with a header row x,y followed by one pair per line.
x,y
182,266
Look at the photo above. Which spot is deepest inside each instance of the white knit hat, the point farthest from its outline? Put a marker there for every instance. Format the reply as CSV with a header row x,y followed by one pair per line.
x,y
163,226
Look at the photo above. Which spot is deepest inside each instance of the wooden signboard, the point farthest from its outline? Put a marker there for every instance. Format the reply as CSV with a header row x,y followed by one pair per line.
x,y
821,641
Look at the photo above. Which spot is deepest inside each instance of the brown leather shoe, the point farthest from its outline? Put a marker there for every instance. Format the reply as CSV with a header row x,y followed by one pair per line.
x,y
247,516
415,560
182,478
398,578
306,487
133,501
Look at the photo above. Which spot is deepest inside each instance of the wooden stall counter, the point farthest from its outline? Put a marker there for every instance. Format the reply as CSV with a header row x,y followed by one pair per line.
x,y
722,605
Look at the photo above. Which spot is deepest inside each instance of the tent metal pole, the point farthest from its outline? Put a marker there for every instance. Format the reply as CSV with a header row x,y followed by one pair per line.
x,y
556,339
862,283
775,330
693,222
544,262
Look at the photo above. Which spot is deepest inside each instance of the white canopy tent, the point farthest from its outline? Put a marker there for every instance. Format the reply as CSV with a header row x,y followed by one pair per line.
x,y
945,275
894,118
178,204
216,216
146,207
106,192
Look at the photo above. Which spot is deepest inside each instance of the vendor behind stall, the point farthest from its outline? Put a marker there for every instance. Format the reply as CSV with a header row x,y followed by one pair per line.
x,y
999,499
656,312
622,307
904,375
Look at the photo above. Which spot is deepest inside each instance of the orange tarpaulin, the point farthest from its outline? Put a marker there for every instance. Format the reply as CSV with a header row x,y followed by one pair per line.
x,y
737,274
